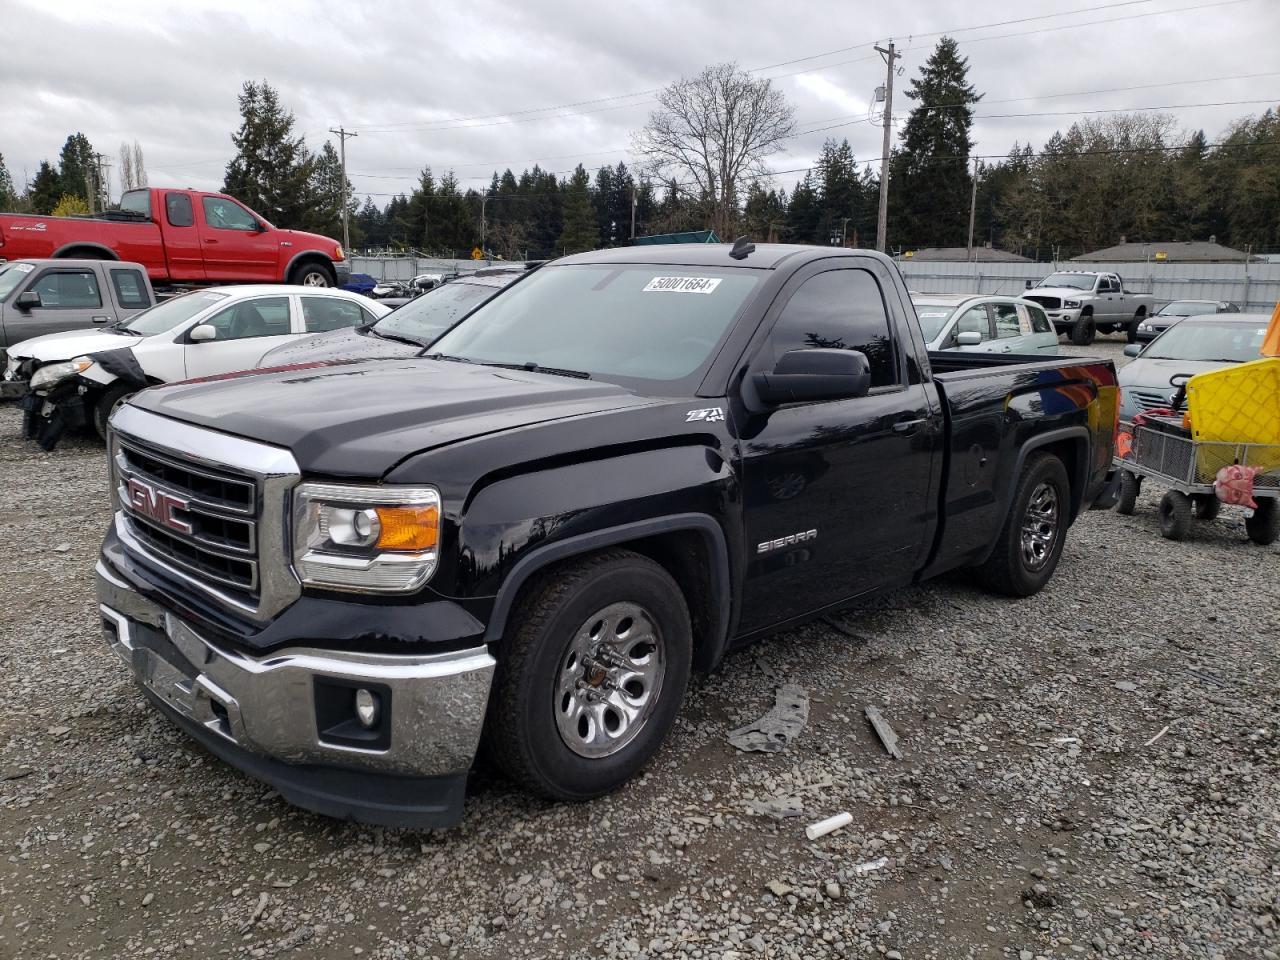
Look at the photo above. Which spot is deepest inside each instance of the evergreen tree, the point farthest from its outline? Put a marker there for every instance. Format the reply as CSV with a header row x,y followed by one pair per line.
x,y
420,212
581,231
804,213
930,173
841,192
373,227
456,231
765,213
45,190
8,195
271,171
324,214
77,168
399,228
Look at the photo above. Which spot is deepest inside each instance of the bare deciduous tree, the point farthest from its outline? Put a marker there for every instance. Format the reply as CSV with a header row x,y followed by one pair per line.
x,y
716,129
133,172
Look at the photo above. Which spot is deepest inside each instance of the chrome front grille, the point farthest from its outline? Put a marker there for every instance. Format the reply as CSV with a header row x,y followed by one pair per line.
x,y
205,507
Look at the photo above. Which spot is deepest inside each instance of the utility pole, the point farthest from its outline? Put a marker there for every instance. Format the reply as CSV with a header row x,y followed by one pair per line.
x,y
104,180
973,203
89,189
484,199
633,212
343,134
882,223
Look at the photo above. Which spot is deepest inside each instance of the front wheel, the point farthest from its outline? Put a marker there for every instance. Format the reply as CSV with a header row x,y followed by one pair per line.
x,y
1263,525
313,275
1030,542
1130,487
1175,515
1083,332
1131,331
109,403
590,676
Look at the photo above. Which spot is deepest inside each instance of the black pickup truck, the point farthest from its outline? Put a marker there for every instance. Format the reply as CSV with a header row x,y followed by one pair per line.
x,y
341,576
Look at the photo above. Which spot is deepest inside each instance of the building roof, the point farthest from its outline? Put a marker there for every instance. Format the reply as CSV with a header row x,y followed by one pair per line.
x,y
1178,251
963,254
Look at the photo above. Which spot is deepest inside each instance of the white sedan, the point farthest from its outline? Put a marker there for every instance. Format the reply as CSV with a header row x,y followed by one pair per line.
x,y
83,375
984,324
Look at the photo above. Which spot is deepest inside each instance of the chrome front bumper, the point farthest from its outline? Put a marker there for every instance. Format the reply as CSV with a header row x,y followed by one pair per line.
x,y
266,706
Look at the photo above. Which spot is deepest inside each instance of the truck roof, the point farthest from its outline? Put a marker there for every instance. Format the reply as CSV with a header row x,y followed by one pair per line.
x,y
766,256
72,262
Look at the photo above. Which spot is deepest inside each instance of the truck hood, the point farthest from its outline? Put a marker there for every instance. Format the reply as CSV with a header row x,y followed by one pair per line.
x,y
1155,373
360,419
346,344
71,343
1065,293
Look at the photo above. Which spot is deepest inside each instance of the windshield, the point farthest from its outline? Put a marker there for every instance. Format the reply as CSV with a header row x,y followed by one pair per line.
x,y
11,275
1192,340
626,321
1076,281
431,314
167,315
933,317
1185,308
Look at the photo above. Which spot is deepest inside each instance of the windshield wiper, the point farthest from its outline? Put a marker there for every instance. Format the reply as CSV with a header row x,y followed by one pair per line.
x,y
444,356
119,327
532,367
400,337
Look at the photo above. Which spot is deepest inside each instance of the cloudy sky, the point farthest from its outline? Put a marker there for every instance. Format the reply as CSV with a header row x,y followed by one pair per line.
x,y
484,85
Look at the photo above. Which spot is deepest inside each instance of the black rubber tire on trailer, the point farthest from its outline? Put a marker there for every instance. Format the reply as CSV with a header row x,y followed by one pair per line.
x,y
1205,506
1263,526
1083,332
1130,487
312,275
1017,567
1175,515
107,404
535,730
1131,331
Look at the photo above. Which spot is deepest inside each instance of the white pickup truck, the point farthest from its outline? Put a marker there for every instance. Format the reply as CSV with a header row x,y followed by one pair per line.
x,y
1084,303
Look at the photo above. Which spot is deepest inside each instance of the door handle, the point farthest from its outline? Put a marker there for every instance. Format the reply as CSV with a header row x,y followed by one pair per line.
x,y
210,240
99,319
908,426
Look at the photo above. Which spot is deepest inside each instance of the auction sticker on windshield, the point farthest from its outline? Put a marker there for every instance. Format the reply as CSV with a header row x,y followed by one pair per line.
x,y
681,285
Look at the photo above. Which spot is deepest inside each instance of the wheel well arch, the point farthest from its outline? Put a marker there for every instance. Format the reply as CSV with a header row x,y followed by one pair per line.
x,y
1142,311
1087,311
690,547
81,250
306,258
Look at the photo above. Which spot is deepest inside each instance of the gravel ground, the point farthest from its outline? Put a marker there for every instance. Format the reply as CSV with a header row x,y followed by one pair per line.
x,y
1090,772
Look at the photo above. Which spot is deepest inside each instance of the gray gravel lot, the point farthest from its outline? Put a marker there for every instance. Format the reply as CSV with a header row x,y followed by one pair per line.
x,y
1032,815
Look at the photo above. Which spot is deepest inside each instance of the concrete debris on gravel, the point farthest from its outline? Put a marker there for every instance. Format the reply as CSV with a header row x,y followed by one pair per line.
x,y
888,738
999,842
777,728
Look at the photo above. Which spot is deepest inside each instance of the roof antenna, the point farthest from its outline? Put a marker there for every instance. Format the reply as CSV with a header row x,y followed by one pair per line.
x,y
742,248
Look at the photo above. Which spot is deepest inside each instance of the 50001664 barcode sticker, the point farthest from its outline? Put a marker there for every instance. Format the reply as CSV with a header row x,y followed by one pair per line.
x,y
681,285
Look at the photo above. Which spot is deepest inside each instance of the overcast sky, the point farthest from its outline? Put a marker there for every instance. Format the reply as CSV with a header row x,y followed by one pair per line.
x,y
408,76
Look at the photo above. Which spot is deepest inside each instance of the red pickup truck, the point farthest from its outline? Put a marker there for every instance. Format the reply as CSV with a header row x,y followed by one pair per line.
x,y
182,236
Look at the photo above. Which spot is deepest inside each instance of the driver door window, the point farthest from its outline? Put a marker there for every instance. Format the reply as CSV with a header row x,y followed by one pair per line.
x,y
245,331
268,317
68,290
973,320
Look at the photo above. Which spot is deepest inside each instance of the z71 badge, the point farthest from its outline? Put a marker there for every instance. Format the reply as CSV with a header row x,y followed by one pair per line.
x,y
706,415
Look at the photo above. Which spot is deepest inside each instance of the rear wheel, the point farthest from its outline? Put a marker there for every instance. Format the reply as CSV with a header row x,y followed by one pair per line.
x,y
1083,332
109,403
312,275
590,677
1205,506
1130,487
1263,526
1175,515
1030,542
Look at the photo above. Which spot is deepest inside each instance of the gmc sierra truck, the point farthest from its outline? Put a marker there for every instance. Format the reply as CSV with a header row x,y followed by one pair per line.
x,y
340,576
1083,303
182,237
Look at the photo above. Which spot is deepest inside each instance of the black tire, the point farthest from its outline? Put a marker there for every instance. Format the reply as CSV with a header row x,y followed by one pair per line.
x,y
1130,487
1205,506
1009,569
107,404
1083,332
313,275
1264,526
523,731
1175,515
1131,331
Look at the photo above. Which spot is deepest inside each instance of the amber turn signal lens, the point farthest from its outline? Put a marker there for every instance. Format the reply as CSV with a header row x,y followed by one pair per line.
x,y
408,528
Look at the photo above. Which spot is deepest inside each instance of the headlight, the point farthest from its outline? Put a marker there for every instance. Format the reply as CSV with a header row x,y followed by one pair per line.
x,y
338,253
52,373
367,539
1071,304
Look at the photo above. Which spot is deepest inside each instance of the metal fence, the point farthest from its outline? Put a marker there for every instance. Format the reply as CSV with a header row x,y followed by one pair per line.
x,y
1252,287
408,267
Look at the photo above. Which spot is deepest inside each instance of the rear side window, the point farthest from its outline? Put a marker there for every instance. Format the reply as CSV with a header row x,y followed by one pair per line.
x,y
130,290
264,317
1039,322
840,309
320,314
68,290
1006,315
178,210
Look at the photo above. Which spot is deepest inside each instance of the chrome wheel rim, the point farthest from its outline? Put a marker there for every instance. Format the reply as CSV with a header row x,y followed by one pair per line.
x,y
609,681
315,280
1040,526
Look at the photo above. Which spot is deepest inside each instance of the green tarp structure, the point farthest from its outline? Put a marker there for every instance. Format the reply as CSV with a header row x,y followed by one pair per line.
x,y
688,236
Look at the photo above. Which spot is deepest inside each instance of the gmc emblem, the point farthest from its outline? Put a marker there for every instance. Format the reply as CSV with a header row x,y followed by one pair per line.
x,y
157,505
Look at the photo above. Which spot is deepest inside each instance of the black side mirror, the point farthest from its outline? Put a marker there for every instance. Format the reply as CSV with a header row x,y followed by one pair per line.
x,y
815,374
1026,285
28,300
